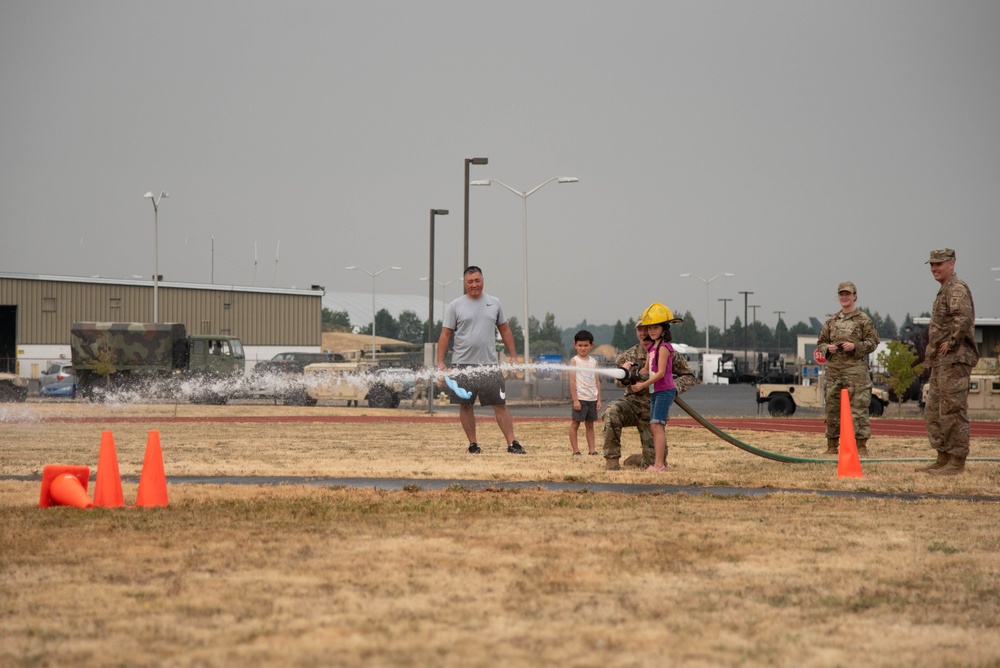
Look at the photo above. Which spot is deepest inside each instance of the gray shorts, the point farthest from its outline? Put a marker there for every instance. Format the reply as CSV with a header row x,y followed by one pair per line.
x,y
587,412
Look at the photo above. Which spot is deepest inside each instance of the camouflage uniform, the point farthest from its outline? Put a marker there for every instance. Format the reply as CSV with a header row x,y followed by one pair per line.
x,y
947,410
632,410
848,369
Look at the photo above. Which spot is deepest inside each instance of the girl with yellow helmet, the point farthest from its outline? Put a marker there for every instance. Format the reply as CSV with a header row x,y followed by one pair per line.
x,y
659,364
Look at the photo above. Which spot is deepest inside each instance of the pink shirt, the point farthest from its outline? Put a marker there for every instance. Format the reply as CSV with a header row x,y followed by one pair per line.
x,y
667,382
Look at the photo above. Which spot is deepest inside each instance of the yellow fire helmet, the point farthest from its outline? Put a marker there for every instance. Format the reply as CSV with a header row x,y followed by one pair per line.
x,y
658,314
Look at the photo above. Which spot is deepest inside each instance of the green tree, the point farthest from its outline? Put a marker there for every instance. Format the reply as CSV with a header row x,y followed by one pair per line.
x,y
687,331
411,328
518,332
335,321
620,340
902,368
385,325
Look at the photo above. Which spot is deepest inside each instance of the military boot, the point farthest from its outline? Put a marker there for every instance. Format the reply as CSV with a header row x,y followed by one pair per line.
x,y
831,446
633,460
942,459
955,466
862,447
611,464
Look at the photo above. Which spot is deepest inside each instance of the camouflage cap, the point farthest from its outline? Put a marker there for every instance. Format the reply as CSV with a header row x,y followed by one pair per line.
x,y
847,285
941,255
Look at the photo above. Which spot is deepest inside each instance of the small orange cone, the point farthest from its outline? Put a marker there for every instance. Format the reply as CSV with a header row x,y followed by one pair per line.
x,y
108,487
65,485
848,462
152,480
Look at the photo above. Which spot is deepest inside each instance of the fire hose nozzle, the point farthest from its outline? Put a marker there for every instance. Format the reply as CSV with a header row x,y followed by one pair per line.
x,y
629,376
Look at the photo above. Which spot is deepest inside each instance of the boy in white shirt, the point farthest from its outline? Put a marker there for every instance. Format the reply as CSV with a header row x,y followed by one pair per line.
x,y
585,390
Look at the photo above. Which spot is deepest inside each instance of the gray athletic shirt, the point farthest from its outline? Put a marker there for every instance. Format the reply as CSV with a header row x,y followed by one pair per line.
x,y
475,323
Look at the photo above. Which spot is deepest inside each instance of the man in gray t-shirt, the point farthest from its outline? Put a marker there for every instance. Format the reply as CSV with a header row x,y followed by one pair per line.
x,y
474,318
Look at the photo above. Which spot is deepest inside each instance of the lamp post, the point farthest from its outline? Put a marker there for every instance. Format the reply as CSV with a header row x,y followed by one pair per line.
x,y
444,292
524,241
465,245
707,299
430,306
725,302
746,312
373,275
755,307
156,251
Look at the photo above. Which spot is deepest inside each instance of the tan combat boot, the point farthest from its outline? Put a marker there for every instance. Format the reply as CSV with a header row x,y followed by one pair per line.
x,y
955,466
862,447
942,459
831,446
611,464
634,460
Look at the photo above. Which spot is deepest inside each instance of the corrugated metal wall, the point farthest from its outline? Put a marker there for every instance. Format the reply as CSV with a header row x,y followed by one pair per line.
x,y
45,309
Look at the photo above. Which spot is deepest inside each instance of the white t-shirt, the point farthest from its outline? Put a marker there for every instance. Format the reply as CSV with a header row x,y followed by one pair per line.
x,y
586,381
475,323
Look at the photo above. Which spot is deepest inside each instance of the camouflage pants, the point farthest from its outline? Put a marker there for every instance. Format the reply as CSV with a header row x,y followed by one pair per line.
x,y
859,387
627,411
947,410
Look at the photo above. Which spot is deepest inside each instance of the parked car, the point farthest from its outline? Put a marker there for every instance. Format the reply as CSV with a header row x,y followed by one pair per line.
x,y
61,388
56,372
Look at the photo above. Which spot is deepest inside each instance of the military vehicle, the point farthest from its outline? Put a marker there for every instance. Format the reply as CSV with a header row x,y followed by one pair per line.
x,y
783,398
13,387
352,380
119,355
984,387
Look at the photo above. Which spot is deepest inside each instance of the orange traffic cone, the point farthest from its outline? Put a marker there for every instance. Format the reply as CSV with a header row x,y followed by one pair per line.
x,y
848,462
152,480
108,487
65,485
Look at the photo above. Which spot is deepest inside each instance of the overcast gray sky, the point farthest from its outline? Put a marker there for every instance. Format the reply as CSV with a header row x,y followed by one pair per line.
x,y
794,144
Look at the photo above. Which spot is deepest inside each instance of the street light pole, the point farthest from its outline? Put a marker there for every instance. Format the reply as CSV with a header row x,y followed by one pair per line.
x,y
430,304
707,299
755,307
373,275
465,246
524,242
156,251
725,302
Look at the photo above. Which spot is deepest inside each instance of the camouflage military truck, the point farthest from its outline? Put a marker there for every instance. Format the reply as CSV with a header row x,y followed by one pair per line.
x,y
783,398
13,387
353,380
116,355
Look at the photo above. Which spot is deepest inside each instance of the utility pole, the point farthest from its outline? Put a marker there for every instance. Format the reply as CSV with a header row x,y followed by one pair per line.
x,y
746,316
777,332
755,307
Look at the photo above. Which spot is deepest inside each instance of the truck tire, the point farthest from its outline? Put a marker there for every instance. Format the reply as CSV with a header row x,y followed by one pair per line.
x,y
379,396
780,405
875,408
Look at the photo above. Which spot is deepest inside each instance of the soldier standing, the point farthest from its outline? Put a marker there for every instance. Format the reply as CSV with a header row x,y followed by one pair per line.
x,y
632,409
951,354
847,338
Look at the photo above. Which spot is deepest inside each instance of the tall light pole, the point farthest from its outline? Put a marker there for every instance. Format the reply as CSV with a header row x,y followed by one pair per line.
x,y
725,302
746,313
444,291
373,275
524,195
430,306
156,251
755,307
707,299
465,245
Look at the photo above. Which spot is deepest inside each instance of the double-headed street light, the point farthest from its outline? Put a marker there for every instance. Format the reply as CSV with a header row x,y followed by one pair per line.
x,y
156,251
373,275
707,300
465,184
444,291
524,240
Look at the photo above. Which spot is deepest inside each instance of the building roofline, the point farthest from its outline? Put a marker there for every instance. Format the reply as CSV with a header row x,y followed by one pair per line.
x,y
101,280
980,322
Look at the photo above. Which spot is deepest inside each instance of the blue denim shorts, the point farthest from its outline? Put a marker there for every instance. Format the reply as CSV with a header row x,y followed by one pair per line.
x,y
660,406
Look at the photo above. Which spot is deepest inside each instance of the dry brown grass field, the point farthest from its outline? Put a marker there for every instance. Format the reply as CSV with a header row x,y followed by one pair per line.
x,y
305,575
